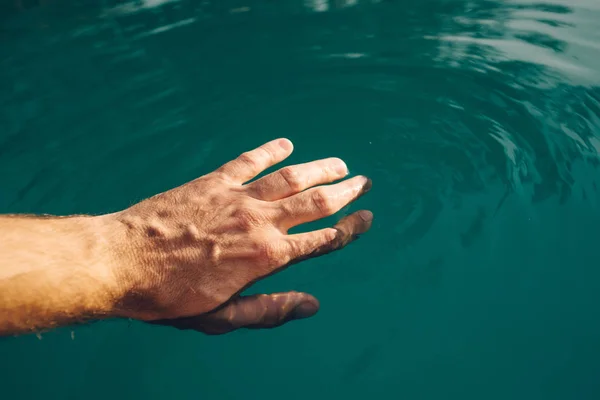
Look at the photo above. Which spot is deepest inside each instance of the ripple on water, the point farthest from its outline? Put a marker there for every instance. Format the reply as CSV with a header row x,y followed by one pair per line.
x,y
451,98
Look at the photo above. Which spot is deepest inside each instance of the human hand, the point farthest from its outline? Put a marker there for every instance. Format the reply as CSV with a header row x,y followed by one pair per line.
x,y
186,254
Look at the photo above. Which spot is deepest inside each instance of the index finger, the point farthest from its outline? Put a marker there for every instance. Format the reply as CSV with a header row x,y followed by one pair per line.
x,y
251,163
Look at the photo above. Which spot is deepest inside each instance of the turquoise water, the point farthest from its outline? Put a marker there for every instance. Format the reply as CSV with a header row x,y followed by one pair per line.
x,y
478,122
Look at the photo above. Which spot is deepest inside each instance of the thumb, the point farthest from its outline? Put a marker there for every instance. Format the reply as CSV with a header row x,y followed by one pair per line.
x,y
261,311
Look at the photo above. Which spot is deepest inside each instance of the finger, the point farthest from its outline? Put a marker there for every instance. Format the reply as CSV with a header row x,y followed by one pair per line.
x,y
321,202
253,162
260,311
323,241
296,178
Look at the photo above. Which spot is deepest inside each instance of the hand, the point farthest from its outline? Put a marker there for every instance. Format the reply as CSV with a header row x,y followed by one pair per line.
x,y
188,252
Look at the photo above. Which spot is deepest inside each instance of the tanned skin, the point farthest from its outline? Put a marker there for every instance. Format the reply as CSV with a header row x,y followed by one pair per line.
x,y
182,257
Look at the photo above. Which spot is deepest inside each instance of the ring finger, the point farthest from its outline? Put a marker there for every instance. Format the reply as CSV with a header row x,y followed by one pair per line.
x,y
320,202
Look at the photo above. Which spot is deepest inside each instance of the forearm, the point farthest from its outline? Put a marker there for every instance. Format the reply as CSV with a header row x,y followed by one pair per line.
x,y
54,271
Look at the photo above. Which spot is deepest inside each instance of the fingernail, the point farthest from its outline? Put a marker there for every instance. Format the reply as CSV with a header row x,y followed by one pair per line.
x,y
368,185
366,215
286,144
341,168
305,310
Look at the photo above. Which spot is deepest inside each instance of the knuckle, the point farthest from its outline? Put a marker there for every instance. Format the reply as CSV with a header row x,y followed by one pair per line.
x,y
248,159
268,254
212,180
292,178
248,219
322,202
296,247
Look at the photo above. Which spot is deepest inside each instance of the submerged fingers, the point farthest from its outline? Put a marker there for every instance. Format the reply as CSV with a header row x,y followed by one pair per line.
x,y
323,241
261,311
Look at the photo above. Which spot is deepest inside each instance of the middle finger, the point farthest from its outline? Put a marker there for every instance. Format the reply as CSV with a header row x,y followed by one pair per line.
x,y
296,178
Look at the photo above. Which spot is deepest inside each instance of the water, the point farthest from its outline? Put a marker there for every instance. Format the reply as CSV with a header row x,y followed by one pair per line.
x,y
478,121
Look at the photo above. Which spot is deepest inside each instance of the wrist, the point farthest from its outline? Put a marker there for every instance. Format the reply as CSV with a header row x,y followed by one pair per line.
x,y
109,268
124,268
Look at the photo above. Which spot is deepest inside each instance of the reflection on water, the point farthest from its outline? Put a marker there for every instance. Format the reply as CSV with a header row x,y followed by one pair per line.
x,y
455,108
504,90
